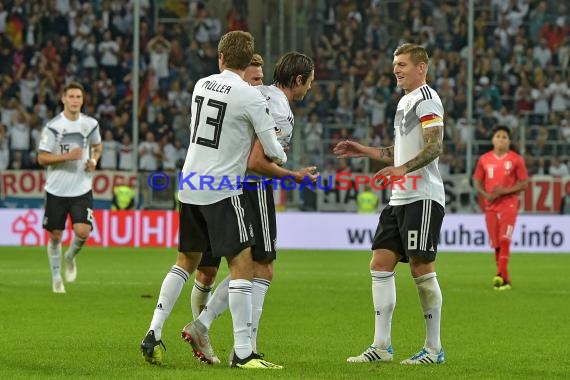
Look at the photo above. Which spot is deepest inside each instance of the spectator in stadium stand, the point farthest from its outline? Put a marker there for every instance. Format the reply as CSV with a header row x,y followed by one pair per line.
x,y
110,148
558,168
149,153
500,175
126,153
4,149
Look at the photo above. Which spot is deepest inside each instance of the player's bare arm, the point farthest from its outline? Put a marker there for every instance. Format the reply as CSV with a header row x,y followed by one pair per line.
x,y
271,147
352,149
259,163
433,139
96,150
433,147
47,158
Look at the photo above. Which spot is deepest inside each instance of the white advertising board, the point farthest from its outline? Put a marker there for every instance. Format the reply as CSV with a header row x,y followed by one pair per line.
x,y
296,230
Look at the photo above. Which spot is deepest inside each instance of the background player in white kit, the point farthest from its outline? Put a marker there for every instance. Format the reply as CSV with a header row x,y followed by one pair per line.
x,y
226,115
70,147
409,227
293,77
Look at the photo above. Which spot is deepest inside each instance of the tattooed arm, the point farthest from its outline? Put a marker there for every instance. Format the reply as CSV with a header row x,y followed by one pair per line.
x,y
351,149
433,138
386,155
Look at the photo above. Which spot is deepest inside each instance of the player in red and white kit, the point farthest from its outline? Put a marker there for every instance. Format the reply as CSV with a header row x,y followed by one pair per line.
x,y
500,175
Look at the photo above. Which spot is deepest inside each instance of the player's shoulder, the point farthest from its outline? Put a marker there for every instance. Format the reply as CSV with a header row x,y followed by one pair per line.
x,y
56,122
274,96
267,90
428,93
515,156
89,120
487,156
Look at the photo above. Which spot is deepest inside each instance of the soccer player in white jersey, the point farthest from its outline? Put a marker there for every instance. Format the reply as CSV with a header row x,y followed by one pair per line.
x,y
70,147
254,72
293,77
208,268
409,227
226,115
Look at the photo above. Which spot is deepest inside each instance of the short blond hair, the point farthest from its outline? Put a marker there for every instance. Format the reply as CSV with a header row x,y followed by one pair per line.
x,y
257,60
237,48
417,53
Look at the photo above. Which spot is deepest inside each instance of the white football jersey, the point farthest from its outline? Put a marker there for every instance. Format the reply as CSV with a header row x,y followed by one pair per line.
x,y
226,112
61,135
418,109
280,110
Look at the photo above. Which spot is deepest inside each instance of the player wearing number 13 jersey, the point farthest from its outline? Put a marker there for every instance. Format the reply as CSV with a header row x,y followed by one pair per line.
x,y
226,114
500,175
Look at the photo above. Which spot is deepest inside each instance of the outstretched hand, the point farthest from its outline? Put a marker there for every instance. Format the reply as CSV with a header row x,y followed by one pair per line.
x,y
349,149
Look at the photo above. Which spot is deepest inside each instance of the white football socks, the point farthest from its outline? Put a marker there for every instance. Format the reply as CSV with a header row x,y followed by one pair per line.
x,y
169,293
431,300
201,294
54,256
260,287
75,247
240,306
384,300
217,304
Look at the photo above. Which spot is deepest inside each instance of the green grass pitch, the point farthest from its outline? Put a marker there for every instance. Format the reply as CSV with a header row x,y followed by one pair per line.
x,y
317,313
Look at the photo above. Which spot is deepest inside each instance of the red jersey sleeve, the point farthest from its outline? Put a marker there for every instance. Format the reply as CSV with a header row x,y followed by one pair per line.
x,y
479,174
521,171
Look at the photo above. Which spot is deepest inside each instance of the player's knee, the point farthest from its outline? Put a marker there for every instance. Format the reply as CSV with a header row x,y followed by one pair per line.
x,y
55,237
82,230
263,270
383,260
84,235
505,240
420,266
206,275
188,260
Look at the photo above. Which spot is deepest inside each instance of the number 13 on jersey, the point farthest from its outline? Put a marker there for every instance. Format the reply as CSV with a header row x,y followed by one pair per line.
x,y
214,122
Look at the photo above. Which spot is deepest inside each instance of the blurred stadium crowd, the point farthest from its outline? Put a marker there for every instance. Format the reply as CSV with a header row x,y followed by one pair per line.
x,y
521,74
